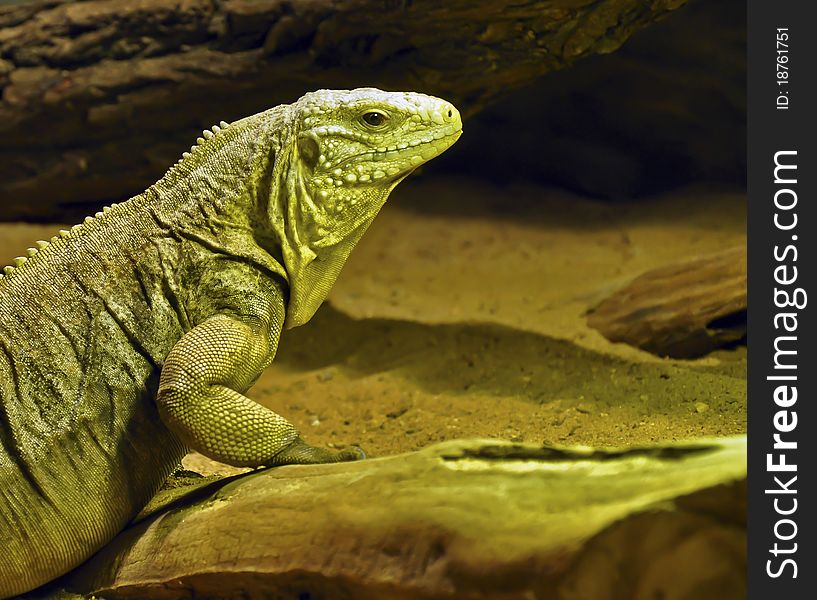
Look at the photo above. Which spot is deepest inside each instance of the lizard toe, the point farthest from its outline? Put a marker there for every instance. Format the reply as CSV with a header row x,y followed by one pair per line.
x,y
351,453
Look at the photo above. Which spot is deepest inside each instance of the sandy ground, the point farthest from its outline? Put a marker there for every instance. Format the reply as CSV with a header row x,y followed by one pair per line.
x,y
461,314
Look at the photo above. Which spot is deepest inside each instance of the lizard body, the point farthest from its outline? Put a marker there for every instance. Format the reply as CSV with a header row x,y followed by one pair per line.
x,y
135,336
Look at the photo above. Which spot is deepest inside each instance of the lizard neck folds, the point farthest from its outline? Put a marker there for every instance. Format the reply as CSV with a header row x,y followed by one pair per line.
x,y
347,151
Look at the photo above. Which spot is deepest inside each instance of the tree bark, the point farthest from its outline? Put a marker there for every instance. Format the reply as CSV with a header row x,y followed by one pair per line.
x,y
683,310
99,97
463,519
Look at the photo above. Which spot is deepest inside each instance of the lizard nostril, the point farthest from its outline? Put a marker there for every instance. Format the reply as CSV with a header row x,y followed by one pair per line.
x,y
449,113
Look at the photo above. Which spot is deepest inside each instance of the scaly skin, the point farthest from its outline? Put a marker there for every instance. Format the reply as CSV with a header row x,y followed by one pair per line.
x,y
136,335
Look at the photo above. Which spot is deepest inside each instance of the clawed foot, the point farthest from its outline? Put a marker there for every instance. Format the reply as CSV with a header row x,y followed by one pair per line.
x,y
301,453
351,453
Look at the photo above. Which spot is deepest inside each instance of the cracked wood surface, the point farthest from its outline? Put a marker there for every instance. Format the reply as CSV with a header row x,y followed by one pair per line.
x,y
461,519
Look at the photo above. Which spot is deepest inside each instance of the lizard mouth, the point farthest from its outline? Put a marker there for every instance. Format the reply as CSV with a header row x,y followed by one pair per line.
x,y
436,139
440,144
392,162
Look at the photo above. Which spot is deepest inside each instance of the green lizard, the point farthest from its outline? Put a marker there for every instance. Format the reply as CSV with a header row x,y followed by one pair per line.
x,y
134,336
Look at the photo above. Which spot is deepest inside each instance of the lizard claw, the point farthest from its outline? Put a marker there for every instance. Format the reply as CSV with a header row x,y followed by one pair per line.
x,y
301,453
351,453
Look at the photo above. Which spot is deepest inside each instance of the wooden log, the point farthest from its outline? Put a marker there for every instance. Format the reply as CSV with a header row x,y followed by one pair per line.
x,y
682,310
99,97
463,519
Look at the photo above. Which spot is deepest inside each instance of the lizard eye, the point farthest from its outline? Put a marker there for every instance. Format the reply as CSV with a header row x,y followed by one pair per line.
x,y
374,118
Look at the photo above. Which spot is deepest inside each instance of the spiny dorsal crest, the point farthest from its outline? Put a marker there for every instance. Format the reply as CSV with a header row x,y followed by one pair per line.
x,y
42,245
19,261
207,134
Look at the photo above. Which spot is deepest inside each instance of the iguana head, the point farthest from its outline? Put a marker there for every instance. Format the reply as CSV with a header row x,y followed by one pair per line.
x,y
346,151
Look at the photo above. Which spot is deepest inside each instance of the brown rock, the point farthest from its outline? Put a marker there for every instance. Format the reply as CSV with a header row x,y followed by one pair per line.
x,y
100,97
682,310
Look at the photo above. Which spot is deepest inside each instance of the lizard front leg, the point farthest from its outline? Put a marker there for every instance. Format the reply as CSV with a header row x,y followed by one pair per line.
x,y
201,396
